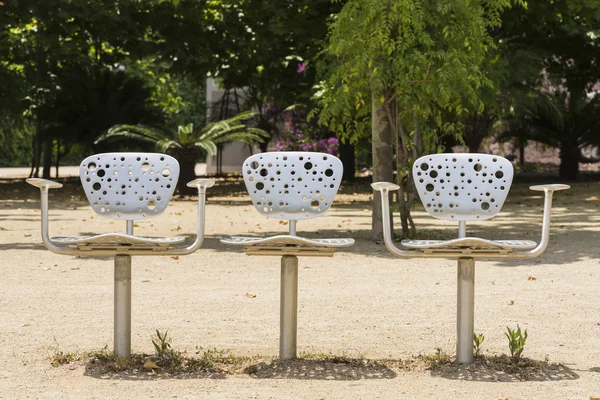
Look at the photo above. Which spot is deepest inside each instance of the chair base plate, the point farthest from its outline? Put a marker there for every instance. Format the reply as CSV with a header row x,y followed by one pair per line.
x,y
284,245
469,243
118,241
287,240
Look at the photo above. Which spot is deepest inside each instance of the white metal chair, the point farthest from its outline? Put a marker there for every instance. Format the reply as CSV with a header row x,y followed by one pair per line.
x,y
291,186
125,186
465,187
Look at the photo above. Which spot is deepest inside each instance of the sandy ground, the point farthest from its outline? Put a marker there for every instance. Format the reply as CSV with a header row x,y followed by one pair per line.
x,y
361,303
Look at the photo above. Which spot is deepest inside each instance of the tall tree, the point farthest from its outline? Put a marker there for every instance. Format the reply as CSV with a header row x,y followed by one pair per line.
x,y
398,64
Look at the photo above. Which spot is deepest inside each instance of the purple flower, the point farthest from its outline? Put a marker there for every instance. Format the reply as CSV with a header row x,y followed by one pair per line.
x,y
301,67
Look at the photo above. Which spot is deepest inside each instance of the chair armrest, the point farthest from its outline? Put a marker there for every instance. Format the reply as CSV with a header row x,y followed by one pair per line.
x,y
379,186
201,184
40,183
553,187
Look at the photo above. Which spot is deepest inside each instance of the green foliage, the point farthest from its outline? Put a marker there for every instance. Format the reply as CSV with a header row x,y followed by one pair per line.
x,y
440,357
516,341
394,69
15,141
477,342
425,55
162,345
91,101
186,137
566,121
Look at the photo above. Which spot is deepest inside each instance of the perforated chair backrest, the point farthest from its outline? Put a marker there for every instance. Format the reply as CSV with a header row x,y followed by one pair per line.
x,y
292,185
463,187
129,186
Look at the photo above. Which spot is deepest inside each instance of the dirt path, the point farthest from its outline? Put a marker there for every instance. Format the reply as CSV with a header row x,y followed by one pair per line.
x,y
361,303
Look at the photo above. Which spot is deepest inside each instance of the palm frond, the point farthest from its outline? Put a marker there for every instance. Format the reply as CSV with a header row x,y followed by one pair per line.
x,y
135,132
209,146
164,145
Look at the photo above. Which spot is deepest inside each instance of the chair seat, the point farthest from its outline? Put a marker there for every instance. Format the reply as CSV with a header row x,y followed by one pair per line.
x,y
287,240
470,243
117,240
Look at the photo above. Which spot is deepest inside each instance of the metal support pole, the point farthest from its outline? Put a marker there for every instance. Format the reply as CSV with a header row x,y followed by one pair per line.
x,y
465,327
288,314
122,336
462,229
292,227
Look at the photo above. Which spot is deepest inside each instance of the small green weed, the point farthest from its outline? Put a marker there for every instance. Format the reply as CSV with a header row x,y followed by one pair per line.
x,y
58,357
516,342
161,343
477,341
440,357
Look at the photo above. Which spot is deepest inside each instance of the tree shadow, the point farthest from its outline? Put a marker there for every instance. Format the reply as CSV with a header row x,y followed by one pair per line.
x,y
92,371
501,369
331,368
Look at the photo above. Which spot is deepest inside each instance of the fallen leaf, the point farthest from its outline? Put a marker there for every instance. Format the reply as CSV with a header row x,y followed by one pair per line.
x,y
176,229
250,295
281,222
175,257
27,235
593,198
511,302
150,365
531,278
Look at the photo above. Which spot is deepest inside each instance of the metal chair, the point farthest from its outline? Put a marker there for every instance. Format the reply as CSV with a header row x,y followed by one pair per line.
x,y
125,186
291,186
465,187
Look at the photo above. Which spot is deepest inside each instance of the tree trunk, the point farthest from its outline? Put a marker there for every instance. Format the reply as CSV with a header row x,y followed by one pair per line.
x,y
187,165
383,158
479,130
522,144
47,156
347,158
569,161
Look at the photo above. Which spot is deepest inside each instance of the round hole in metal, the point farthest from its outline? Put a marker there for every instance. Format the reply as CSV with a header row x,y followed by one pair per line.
x,y
433,174
92,166
264,172
314,203
254,165
260,186
151,204
429,187
101,173
165,172
145,167
499,174
424,166
485,205
308,165
477,167
97,186
328,172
